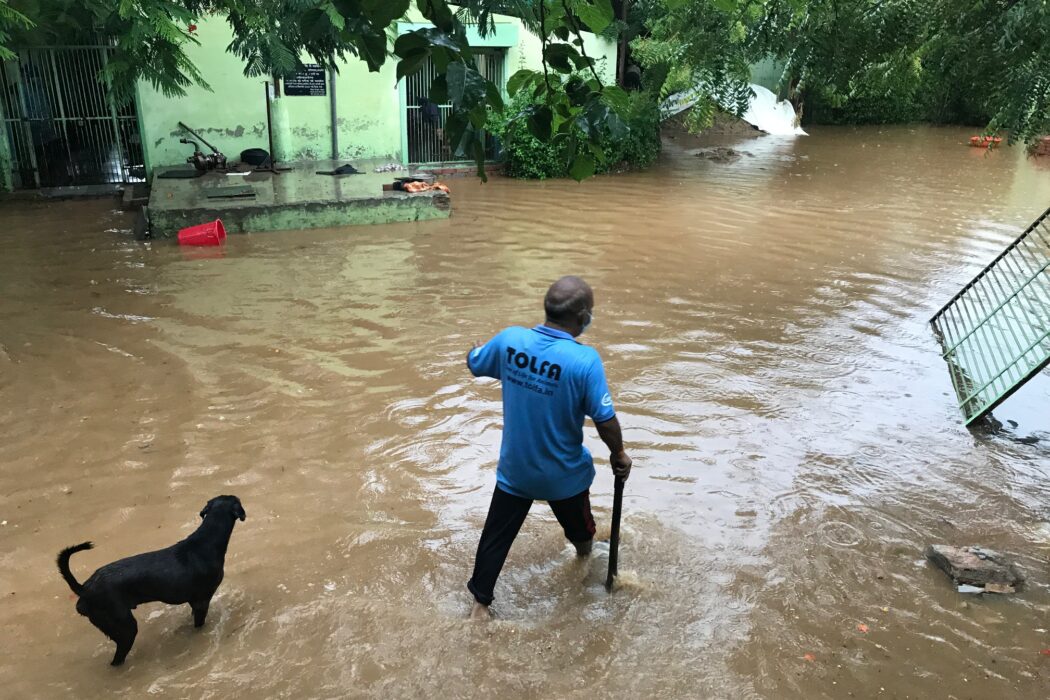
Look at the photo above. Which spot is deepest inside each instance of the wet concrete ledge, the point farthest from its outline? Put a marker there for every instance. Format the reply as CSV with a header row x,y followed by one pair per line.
x,y
295,199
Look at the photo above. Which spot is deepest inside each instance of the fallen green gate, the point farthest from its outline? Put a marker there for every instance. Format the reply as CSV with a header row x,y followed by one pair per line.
x,y
995,333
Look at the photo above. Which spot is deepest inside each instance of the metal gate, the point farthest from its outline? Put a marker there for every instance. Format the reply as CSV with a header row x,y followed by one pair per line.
x,y
62,124
424,121
995,333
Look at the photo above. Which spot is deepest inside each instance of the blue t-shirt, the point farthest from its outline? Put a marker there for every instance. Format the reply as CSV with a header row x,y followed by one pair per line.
x,y
550,382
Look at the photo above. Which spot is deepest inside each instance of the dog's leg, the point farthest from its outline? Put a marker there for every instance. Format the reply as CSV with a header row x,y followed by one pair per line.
x,y
124,631
118,625
200,611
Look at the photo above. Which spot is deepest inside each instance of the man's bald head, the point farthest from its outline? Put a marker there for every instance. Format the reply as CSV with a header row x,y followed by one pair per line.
x,y
568,303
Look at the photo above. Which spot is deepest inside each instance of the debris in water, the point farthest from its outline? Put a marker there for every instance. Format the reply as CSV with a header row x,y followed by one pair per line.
x,y
999,588
976,567
722,154
863,628
809,657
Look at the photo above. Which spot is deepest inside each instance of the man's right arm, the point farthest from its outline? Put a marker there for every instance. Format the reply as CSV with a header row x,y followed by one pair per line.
x,y
483,359
610,433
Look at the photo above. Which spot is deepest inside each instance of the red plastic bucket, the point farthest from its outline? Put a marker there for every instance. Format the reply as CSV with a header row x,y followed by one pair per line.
x,y
211,233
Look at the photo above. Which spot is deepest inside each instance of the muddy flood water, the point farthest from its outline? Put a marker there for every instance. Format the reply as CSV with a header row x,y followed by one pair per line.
x,y
764,328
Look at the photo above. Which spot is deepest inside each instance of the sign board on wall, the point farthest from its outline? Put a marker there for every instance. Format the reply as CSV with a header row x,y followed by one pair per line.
x,y
308,82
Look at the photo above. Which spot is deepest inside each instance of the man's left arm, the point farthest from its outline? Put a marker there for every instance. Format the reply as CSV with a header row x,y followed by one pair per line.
x,y
599,406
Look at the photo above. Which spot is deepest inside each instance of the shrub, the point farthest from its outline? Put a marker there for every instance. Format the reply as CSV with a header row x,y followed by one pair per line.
x,y
526,157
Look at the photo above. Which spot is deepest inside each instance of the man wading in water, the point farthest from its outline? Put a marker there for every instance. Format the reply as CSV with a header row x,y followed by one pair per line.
x,y
550,382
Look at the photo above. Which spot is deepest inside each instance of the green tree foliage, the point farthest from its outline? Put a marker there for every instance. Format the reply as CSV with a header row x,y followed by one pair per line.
x,y
836,52
991,58
960,61
526,156
11,21
698,44
271,35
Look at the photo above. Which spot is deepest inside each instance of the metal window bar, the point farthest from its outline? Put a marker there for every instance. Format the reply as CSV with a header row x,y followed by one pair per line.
x,y
425,122
62,121
995,333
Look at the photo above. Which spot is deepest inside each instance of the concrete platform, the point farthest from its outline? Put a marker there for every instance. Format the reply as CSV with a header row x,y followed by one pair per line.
x,y
295,199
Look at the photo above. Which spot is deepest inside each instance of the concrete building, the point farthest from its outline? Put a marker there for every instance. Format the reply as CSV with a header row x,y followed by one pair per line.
x,y
62,127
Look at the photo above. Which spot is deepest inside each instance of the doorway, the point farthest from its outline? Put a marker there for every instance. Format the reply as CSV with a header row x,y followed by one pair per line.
x,y
424,121
62,124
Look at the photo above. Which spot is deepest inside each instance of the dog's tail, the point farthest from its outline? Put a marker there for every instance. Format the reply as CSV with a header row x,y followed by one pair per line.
x,y
63,564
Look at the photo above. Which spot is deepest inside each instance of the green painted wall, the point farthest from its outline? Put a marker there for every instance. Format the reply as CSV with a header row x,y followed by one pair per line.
x,y
528,51
233,115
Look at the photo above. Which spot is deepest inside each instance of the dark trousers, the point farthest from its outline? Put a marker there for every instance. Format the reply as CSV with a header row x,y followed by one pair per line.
x,y
506,514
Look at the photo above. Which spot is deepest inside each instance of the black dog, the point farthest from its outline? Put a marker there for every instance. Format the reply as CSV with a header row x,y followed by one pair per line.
x,y
187,572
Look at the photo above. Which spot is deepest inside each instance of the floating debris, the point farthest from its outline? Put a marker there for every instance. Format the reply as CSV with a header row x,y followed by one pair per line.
x,y
976,568
722,154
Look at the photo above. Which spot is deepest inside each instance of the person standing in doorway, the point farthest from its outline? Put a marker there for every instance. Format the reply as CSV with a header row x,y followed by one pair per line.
x,y
550,381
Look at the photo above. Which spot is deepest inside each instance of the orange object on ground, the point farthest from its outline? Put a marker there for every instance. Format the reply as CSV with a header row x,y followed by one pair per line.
x,y
416,187
211,233
985,141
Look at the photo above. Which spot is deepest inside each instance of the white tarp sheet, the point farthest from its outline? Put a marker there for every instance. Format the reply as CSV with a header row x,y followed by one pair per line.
x,y
776,117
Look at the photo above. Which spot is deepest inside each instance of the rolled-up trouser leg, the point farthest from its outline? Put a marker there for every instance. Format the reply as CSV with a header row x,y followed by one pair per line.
x,y
506,514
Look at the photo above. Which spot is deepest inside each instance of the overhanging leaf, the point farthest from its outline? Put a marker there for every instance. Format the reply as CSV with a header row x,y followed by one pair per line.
x,y
438,12
441,57
373,49
617,128
337,20
582,167
478,116
439,90
596,14
519,80
539,122
411,63
409,42
494,96
617,98
466,87
557,56
577,90
383,12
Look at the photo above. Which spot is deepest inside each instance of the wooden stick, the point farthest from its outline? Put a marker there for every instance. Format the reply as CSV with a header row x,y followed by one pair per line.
x,y
614,536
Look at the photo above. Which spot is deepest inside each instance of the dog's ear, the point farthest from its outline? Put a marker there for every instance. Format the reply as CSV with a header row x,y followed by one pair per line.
x,y
205,509
238,511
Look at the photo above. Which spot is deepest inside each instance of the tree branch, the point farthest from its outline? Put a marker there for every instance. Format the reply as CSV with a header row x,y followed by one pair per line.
x,y
579,35
543,45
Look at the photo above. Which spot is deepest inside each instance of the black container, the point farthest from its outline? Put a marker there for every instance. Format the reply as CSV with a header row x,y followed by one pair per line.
x,y
255,156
